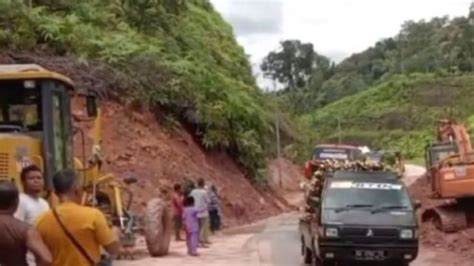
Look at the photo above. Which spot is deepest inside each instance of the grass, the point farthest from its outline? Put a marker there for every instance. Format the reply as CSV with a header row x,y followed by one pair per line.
x,y
180,56
398,114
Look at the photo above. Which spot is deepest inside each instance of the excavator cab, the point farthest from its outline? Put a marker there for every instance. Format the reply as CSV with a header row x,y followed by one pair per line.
x,y
35,121
437,152
36,128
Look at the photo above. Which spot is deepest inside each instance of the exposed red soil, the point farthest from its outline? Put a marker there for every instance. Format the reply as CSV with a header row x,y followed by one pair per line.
x,y
460,243
284,175
136,144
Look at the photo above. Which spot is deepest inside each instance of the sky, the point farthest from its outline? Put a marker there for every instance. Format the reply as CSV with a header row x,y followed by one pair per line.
x,y
337,28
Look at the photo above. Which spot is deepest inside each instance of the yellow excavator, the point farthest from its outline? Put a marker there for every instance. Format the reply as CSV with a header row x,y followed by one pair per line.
x,y
37,127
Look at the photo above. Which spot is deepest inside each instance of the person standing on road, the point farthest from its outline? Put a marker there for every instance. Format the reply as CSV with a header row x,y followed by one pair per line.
x,y
18,237
191,221
31,204
214,209
201,199
75,233
178,211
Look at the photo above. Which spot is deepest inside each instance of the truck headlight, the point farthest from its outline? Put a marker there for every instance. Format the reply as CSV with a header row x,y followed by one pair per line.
x,y
406,234
331,232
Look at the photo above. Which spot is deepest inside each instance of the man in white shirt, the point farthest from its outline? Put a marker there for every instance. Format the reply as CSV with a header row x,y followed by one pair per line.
x,y
31,205
201,202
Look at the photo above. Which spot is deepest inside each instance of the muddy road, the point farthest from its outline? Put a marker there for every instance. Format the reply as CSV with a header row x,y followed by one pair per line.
x,y
276,242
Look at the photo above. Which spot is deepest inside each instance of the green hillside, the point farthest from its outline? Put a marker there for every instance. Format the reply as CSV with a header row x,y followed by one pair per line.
x,y
310,80
172,55
400,113
388,96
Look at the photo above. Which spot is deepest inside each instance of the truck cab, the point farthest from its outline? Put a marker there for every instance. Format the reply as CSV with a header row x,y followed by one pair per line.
x,y
363,217
338,152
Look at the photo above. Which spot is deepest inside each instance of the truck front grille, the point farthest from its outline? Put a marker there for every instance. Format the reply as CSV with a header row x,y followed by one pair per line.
x,y
364,232
4,166
353,231
386,232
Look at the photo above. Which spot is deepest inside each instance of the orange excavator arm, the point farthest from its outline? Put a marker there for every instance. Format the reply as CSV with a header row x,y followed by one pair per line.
x,y
449,130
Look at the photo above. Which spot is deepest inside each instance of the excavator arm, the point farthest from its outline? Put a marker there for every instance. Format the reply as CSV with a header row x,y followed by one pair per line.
x,y
451,131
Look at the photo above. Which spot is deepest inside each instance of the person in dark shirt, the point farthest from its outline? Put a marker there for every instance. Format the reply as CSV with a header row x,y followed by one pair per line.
x,y
178,211
18,237
214,209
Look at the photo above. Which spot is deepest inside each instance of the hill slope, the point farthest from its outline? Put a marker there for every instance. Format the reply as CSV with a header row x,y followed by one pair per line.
x,y
439,45
141,144
179,98
180,57
400,113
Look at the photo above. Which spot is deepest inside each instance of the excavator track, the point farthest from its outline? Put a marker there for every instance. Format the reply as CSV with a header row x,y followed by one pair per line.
x,y
448,218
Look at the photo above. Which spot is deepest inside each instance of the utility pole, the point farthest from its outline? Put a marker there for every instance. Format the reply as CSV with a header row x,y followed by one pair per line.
x,y
471,23
277,129
278,148
339,130
402,56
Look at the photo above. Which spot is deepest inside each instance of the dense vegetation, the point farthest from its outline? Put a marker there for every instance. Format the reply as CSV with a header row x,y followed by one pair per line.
x,y
398,114
388,96
441,45
176,55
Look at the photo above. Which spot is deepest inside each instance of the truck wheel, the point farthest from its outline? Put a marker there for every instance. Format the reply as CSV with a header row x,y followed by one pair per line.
x,y
403,263
400,263
328,263
319,262
158,227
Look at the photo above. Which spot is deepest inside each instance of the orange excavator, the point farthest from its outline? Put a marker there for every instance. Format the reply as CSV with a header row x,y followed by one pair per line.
x,y
450,172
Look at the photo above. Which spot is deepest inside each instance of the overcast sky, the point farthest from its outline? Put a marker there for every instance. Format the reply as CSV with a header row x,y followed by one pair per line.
x,y
337,28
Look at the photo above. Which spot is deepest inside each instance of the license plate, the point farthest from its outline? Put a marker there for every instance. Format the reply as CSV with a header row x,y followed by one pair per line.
x,y
369,254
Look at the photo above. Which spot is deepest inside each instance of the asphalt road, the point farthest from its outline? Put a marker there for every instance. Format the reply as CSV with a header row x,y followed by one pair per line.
x,y
274,242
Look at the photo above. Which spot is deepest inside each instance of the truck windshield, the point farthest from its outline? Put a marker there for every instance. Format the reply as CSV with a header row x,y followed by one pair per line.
x,y
19,106
321,153
375,157
342,194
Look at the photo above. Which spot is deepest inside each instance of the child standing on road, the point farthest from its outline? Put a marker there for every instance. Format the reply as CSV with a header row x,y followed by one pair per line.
x,y
191,225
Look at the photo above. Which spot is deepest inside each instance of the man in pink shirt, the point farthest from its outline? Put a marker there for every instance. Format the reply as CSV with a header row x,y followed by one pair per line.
x,y
178,211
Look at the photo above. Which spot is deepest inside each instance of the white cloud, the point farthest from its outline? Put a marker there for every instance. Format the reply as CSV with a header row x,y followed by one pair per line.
x,y
337,28
253,17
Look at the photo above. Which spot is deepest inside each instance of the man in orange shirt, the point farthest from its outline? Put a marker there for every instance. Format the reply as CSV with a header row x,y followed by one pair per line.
x,y
70,222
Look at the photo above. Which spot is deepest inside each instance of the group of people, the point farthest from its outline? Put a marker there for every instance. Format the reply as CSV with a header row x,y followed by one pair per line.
x,y
70,234
34,233
196,210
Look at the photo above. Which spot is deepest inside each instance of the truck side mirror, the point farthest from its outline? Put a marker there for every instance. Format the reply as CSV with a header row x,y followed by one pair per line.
x,y
417,204
91,103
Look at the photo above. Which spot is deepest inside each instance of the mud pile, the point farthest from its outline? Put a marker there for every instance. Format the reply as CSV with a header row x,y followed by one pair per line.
x,y
460,243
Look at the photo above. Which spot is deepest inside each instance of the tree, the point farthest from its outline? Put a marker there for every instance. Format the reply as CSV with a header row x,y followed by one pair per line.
x,y
146,15
293,64
471,14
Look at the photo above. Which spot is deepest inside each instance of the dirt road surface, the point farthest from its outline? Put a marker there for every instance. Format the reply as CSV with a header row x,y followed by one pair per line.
x,y
275,242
